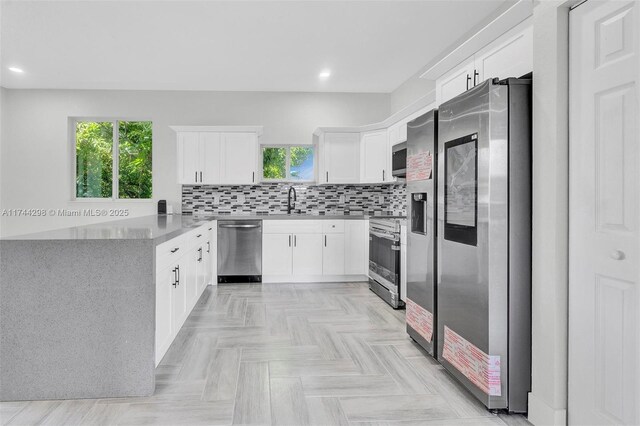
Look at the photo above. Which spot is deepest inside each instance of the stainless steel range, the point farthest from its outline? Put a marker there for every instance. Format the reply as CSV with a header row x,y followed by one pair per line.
x,y
384,259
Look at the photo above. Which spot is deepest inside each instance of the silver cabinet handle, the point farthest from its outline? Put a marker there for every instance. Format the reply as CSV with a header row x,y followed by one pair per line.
x,y
295,241
175,249
325,240
196,177
468,81
617,255
200,176
239,226
289,240
327,177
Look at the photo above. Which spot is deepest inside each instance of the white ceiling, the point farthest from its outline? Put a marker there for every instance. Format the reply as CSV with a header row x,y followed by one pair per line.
x,y
370,46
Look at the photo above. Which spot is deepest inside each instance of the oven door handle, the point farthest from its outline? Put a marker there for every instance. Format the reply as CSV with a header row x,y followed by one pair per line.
x,y
384,236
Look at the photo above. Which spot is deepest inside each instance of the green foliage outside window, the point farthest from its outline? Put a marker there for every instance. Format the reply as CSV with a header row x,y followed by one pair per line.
x,y
134,172
288,163
274,163
95,159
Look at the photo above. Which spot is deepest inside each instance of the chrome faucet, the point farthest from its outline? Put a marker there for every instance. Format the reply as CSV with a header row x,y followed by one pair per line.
x,y
289,206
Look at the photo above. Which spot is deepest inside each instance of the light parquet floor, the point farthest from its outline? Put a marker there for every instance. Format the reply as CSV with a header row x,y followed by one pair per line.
x,y
284,354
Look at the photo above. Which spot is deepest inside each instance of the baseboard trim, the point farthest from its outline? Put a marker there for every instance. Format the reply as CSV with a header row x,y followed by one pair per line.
x,y
542,414
313,278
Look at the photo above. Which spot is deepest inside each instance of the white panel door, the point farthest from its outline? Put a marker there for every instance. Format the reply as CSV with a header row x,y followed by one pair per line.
x,y
341,158
189,278
333,261
277,254
188,157
239,152
456,81
511,57
374,153
604,322
178,298
307,254
210,157
354,247
164,290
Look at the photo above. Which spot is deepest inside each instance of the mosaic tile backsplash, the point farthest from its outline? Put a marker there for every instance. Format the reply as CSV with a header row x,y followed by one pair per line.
x,y
312,199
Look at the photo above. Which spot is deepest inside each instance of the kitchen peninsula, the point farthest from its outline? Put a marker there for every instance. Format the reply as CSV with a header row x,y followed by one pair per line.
x,y
88,312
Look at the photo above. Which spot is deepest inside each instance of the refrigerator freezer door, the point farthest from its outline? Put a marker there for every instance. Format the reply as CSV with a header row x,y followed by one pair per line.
x,y
421,193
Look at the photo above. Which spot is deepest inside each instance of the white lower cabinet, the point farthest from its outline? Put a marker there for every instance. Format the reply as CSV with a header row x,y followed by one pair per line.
x,y
307,254
333,254
179,310
314,250
182,273
164,289
356,247
277,254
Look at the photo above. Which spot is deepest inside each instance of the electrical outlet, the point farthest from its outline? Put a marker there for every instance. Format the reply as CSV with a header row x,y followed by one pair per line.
x,y
342,199
381,199
241,198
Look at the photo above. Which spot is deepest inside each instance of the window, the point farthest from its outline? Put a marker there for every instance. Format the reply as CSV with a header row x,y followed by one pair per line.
x,y
113,159
288,163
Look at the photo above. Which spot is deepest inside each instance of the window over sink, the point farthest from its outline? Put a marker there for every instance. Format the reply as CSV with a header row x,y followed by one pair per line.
x,y
288,163
113,159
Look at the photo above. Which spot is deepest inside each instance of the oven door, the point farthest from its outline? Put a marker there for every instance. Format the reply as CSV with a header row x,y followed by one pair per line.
x,y
384,259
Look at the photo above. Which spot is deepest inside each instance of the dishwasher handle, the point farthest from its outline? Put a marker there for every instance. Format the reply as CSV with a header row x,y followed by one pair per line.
x,y
239,226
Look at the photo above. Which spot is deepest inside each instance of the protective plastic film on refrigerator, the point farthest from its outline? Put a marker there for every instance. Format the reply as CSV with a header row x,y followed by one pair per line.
x,y
484,241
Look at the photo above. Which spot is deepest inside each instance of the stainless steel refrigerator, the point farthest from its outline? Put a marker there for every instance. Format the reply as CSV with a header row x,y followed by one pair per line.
x,y
421,230
484,241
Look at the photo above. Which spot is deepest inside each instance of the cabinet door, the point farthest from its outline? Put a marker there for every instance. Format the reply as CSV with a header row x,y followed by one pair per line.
x,y
333,254
510,56
277,254
239,152
201,270
455,82
375,154
213,253
188,157
190,276
341,158
307,254
179,299
210,157
355,237
164,290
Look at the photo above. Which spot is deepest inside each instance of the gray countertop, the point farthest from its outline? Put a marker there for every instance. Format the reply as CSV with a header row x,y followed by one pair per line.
x,y
160,228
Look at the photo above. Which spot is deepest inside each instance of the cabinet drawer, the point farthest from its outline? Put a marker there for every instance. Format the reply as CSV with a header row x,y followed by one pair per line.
x,y
333,226
294,226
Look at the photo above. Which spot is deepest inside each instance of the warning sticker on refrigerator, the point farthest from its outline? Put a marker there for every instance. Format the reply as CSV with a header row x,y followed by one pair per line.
x,y
481,369
419,166
419,319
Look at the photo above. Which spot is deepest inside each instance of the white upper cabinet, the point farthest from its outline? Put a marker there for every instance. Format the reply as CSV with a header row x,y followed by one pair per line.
x,y
210,157
456,81
375,155
239,153
217,154
398,132
340,158
189,164
510,55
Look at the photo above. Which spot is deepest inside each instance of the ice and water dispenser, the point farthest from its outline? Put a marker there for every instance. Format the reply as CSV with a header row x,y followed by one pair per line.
x,y
419,213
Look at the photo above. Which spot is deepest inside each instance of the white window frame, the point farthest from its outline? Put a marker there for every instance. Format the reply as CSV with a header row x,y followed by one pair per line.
x,y
115,158
288,162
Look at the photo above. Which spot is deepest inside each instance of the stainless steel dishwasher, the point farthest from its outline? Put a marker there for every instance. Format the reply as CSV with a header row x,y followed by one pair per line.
x,y
239,251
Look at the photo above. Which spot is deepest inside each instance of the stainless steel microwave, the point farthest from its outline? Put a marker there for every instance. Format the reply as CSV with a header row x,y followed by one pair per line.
x,y
399,160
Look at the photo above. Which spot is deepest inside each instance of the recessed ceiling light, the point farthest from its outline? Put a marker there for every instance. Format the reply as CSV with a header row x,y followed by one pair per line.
x,y
16,69
324,74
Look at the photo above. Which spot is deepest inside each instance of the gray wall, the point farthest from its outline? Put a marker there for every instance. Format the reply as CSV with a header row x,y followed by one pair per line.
x,y
36,159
